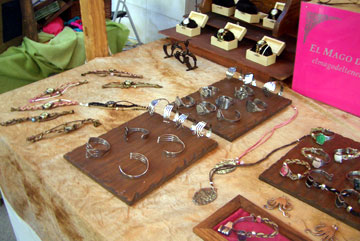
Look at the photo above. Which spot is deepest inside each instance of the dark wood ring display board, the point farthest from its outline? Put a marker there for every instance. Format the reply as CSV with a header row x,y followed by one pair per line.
x,y
231,131
205,229
322,200
105,170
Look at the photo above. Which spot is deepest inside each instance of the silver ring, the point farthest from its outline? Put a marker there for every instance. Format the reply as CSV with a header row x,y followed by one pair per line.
x,y
167,113
180,103
230,72
345,154
171,138
94,152
321,135
256,105
205,107
316,161
153,103
208,91
180,119
243,92
224,102
128,131
354,176
198,129
220,116
140,157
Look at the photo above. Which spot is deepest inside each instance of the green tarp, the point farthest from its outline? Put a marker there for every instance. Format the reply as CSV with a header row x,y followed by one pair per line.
x,y
33,61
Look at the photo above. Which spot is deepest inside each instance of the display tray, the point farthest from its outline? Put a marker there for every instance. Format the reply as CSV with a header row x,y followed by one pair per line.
x,y
231,131
105,170
322,200
205,229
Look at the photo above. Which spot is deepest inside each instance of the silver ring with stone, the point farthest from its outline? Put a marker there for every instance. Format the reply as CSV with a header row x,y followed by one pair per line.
x,y
205,107
220,116
354,177
128,131
208,91
95,152
153,103
256,105
139,157
224,102
321,135
345,154
180,103
171,138
313,154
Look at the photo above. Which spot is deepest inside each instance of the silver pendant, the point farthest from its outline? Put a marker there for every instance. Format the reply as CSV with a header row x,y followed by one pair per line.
x,y
205,196
224,163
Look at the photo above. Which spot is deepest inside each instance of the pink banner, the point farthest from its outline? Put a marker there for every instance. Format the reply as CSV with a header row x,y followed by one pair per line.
x,y
327,64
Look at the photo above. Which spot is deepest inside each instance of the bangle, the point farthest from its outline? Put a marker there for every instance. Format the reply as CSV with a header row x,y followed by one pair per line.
x,y
310,182
55,92
242,234
286,172
128,131
317,162
346,154
171,138
321,135
341,203
94,152
45,116
140,157
354,177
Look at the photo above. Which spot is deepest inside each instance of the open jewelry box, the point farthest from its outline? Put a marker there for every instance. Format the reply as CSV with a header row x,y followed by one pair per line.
x,y
199,18
223,10
239,33
277,48
270,23
249,18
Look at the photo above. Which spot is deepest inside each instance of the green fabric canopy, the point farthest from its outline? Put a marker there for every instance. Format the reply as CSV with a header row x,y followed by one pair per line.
x,y
33,61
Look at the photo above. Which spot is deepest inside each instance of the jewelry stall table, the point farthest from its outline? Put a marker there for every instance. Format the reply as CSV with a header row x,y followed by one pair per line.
x,y
61,203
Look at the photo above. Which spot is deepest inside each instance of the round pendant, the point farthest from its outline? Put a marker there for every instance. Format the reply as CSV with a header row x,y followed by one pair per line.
x,y
224,163
205,196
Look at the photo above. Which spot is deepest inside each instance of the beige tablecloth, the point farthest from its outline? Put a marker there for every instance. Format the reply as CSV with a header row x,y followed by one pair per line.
x,y
62,203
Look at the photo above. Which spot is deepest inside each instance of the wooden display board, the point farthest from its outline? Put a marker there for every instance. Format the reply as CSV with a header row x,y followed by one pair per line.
x,y
105,170
231,131
322,200
205,229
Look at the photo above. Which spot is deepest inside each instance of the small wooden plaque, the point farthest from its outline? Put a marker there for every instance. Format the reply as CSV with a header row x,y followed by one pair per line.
x,y
105,170
205,229
231,131
322,200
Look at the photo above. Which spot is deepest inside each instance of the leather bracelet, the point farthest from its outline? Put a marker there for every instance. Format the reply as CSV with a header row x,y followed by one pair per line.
x,y
310,181
243,235
286,172
316,162
341,203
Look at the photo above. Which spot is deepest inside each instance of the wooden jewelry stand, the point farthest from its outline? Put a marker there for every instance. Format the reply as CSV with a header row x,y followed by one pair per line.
x,y
320,199
105,170
231,131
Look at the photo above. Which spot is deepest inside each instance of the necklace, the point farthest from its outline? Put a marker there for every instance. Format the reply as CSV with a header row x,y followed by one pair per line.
x,y
64,128
113,72
45,116
56,92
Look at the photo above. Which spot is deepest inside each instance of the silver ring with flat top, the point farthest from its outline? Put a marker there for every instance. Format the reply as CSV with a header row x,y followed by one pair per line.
x,y
224,102
208,91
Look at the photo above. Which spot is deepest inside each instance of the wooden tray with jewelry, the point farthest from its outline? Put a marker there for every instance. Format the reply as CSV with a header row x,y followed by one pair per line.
x,y
332,191
160,150
237,208
230,107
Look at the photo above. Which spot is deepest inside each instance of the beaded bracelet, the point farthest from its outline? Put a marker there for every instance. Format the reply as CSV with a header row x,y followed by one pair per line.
x,y
310,182
317,162
242,234
286,172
